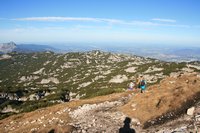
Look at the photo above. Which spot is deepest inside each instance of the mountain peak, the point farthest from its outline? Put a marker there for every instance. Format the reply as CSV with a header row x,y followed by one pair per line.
x,y
7,47
12,43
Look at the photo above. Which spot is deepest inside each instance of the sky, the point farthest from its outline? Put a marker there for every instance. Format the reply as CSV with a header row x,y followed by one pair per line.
x,y
173,22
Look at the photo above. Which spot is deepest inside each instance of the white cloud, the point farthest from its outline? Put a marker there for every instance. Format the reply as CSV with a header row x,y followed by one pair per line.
x,y
164,20
107,20
111,20
68,19
148,23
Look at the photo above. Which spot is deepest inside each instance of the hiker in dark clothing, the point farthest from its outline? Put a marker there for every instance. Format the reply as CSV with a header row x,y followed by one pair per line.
x,y
142,84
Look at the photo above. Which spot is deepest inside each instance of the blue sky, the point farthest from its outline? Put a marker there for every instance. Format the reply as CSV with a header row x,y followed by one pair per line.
x,y
175,22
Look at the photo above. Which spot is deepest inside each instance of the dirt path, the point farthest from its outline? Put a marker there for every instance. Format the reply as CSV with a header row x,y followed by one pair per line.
x,y
105,118
102,117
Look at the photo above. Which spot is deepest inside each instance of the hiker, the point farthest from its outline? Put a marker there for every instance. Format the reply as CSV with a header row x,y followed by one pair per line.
x,y
138,80
142,84
131,85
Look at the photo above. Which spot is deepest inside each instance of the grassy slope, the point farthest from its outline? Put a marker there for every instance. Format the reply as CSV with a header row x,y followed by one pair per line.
x,y
169,96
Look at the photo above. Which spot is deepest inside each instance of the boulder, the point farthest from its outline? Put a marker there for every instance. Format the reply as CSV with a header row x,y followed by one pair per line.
x,y
190,111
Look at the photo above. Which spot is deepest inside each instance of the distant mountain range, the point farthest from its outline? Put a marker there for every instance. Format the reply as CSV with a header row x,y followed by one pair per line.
x,y
24,48
162,52
165,53
33,48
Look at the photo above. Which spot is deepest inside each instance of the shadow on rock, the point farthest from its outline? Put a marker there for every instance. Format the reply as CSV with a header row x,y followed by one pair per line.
x,y
126,128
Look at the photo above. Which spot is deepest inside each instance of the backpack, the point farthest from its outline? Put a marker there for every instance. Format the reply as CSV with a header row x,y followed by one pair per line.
x,y
142,83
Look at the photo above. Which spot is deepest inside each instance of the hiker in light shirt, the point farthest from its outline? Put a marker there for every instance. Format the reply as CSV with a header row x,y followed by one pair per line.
x,y
131,85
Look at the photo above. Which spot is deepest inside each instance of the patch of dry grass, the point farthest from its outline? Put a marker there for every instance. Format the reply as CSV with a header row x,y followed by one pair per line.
x,y
169,95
